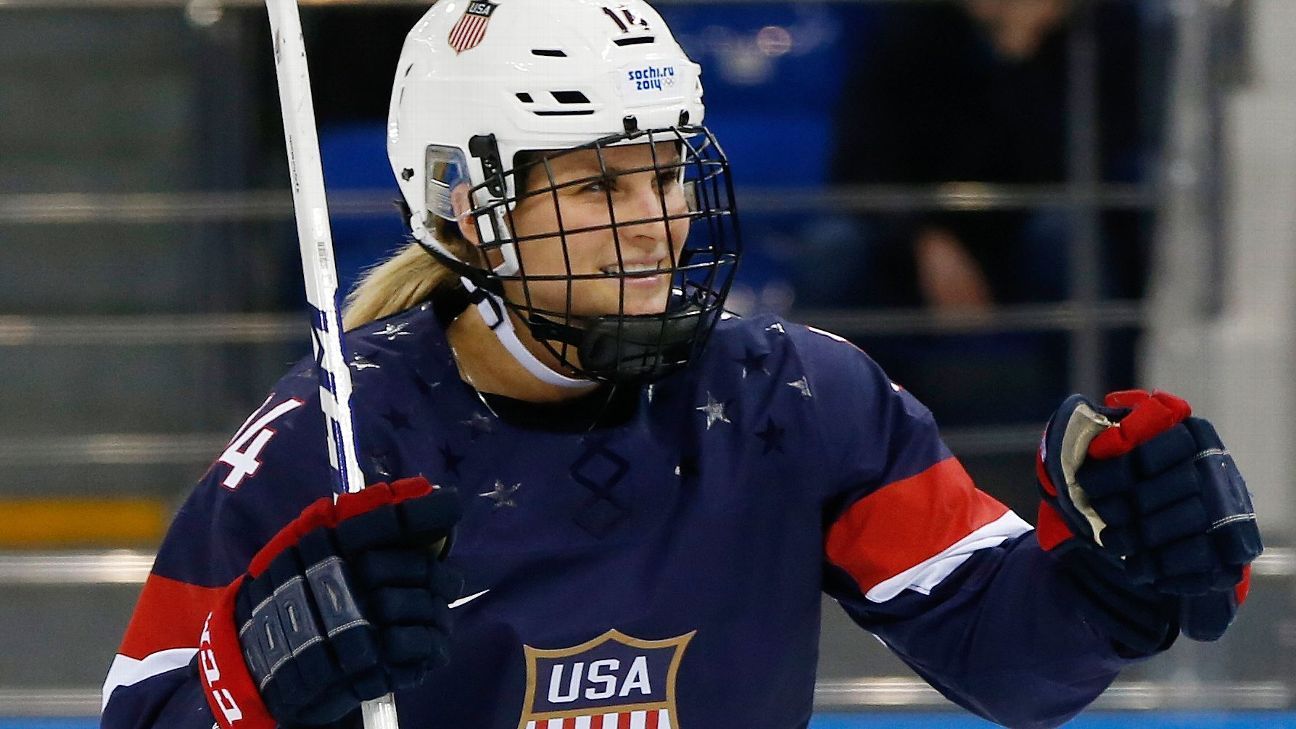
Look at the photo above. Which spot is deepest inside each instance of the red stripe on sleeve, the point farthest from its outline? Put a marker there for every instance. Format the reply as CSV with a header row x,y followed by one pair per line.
x,y
1243,588
169,614
907,522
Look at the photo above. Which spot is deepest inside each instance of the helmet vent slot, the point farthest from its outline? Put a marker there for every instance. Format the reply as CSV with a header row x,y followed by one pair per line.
x,y
570,97
525,98
548,52
634,41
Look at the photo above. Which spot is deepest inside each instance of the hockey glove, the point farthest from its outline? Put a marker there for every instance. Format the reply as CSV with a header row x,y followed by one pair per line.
x,y
346,603
1147,509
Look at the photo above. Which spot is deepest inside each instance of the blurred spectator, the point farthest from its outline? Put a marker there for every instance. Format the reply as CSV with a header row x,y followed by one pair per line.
x,y
975,90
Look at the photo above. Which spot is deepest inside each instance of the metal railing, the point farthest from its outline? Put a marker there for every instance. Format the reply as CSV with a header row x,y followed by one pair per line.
x,y
276,205
132,331
129,566
860,694
913,693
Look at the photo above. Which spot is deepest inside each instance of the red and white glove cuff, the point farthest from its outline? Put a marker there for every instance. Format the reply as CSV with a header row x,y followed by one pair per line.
x,y
231,693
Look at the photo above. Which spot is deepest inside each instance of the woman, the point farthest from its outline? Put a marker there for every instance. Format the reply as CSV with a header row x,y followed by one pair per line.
x,y
647,498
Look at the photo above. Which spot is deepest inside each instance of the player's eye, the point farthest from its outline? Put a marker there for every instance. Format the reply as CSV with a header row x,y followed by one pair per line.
x,y
598,185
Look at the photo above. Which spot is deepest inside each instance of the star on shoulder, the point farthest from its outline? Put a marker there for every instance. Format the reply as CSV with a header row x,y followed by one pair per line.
x,y
714,410
502,494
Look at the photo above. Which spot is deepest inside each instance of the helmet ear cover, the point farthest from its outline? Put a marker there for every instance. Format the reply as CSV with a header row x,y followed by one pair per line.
x,y
615,347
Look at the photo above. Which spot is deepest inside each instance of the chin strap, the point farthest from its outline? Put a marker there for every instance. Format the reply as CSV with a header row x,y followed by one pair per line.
x,y
493,312
496,317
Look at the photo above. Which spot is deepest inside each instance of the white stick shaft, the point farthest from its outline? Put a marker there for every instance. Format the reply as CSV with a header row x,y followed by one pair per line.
x,y
314,236
379,713
316,244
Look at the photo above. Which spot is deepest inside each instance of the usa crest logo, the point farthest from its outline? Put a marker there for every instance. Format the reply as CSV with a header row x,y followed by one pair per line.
x,y
472,25
614,681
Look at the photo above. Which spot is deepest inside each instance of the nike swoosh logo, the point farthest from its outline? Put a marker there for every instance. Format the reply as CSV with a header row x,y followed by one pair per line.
x,y
465,600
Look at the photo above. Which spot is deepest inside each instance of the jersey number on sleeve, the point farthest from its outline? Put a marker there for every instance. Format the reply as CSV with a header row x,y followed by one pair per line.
x,y
244,451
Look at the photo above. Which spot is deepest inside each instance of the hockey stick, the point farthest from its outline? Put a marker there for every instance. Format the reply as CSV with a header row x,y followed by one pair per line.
x,y
316,243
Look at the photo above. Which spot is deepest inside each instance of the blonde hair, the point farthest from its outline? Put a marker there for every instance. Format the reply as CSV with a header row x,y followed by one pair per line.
x,y
410,277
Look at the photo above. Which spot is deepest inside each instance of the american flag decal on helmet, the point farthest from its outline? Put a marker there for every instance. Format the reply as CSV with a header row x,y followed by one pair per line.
x,y
471,28
614,681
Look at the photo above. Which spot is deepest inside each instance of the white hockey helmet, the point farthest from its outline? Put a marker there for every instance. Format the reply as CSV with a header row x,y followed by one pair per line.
x,y
480,81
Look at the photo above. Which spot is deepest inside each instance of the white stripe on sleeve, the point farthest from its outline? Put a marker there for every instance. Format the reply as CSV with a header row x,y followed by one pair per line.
x,y
127,671
930,572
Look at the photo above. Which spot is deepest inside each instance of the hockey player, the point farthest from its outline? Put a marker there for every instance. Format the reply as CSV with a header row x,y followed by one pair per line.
x,y
647,497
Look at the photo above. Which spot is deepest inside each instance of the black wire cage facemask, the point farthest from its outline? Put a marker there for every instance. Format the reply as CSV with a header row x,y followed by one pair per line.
x,y
692,226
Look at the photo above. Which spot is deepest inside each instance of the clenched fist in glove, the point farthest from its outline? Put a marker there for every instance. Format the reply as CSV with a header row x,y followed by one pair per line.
x,y
348,602
1147,509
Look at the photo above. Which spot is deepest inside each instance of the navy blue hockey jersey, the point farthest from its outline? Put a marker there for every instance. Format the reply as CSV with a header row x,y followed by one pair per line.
x,y
649,558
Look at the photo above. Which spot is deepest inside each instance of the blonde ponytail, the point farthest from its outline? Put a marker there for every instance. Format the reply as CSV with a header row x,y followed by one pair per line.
x,y
408,278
